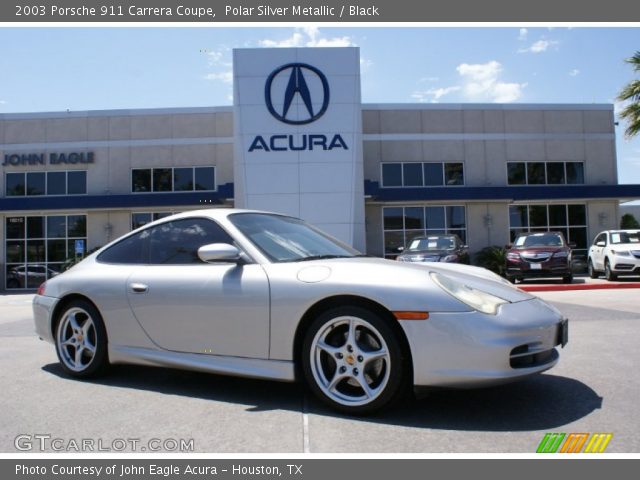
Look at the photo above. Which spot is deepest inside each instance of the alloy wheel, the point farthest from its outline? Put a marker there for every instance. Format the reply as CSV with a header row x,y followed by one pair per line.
x,y
77,339
350,361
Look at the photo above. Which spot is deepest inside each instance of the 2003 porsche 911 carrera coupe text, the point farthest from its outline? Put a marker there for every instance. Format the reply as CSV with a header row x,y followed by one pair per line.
x,y
269,296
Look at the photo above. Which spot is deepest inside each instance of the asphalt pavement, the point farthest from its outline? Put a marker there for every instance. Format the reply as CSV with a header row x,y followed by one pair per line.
x,y
594,388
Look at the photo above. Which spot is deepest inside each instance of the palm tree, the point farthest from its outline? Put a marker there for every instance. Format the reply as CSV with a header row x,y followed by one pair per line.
x,y
631,93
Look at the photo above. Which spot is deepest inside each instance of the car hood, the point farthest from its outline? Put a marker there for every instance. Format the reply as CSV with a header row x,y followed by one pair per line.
x,y
538,249
382,272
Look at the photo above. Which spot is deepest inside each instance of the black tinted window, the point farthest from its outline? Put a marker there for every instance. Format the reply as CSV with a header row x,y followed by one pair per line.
x,y
132,250
178,242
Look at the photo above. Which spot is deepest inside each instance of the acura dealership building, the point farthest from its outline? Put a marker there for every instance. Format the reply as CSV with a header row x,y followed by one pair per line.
x,y
298,140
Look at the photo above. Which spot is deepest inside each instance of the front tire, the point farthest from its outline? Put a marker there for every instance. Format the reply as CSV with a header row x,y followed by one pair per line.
x,y
567,279
81,340
608,273
354,361
592,271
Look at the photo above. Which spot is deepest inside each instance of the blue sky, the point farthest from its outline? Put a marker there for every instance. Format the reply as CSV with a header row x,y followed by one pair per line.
x,y
48,69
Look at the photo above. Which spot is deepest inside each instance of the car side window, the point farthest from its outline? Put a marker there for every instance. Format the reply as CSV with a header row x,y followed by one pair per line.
x,y
601,238
131,250
177,242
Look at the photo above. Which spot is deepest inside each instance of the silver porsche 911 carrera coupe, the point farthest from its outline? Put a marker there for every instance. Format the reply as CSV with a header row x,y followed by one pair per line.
x,y
264,295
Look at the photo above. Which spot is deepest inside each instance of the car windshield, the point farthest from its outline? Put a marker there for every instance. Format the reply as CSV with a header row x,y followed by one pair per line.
x,y
625,237
287,239
432,243
539,240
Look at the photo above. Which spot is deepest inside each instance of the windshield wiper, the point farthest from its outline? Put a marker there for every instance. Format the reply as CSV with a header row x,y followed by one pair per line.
x,y
321,257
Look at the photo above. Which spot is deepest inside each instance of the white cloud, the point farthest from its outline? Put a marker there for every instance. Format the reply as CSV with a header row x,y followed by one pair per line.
x,y
308,37
481,81
365,64
225,77
428,79
3,102
539,46
574,73
434,95
522,34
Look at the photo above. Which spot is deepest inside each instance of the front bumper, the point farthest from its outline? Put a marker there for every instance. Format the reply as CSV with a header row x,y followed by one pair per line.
x,y
543,269
43,307
471,349
626,264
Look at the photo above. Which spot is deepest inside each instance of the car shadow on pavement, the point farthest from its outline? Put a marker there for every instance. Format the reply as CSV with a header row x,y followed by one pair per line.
x,y
538,403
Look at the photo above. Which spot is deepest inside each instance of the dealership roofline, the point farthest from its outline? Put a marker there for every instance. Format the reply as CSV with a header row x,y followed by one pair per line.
x,y
488,106
365,106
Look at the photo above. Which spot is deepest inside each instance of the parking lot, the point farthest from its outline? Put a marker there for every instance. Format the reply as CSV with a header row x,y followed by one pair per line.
x,y
594,388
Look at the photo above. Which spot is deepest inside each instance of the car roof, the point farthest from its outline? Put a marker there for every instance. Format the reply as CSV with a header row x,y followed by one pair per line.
x,y
216,213
526,234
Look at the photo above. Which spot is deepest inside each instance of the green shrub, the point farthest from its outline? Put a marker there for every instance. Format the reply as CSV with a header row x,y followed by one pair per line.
x,y
493,258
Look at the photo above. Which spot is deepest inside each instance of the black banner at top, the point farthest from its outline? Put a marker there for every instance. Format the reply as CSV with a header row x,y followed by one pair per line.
x,y
295,11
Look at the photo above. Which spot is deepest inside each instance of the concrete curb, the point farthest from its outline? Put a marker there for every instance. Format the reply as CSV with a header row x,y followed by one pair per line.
x,y
592,286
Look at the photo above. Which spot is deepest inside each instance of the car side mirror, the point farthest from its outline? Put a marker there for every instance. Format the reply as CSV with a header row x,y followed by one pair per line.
x,y
400,249
508,246
218,252
572,245
601,244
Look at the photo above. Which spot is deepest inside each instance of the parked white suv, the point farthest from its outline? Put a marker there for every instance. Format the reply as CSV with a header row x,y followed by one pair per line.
x,y
615,252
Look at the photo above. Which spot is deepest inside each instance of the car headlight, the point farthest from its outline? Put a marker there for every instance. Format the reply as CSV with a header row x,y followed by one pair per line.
x,y
449,258
561,254
513,256
477,299
622,253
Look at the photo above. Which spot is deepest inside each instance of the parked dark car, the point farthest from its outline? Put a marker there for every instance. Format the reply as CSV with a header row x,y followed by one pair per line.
x,y
534,255
435,248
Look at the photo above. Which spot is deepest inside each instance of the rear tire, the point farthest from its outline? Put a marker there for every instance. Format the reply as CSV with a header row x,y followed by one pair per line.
x,y
81,340
354,361
608,274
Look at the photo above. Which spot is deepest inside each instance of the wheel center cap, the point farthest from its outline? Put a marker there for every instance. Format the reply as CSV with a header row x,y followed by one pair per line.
x,y
350,360
79,338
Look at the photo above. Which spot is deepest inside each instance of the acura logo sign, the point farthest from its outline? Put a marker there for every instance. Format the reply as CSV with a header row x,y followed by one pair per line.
x,y
297,77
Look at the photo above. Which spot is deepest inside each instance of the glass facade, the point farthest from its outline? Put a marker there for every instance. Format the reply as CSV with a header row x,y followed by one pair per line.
x,y
177,179
72,182
37,246
545,173
422,174
403,223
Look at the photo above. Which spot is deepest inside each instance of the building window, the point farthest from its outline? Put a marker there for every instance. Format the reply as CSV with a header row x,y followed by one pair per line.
x,y
426,174
545,173
402,224
570,219
37,246
72,182
138,219
177,179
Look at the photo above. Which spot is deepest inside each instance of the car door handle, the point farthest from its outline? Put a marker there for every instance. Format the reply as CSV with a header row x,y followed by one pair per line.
x,y
139,288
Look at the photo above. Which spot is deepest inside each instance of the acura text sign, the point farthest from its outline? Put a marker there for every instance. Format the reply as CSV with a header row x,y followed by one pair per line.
x,y
298,136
